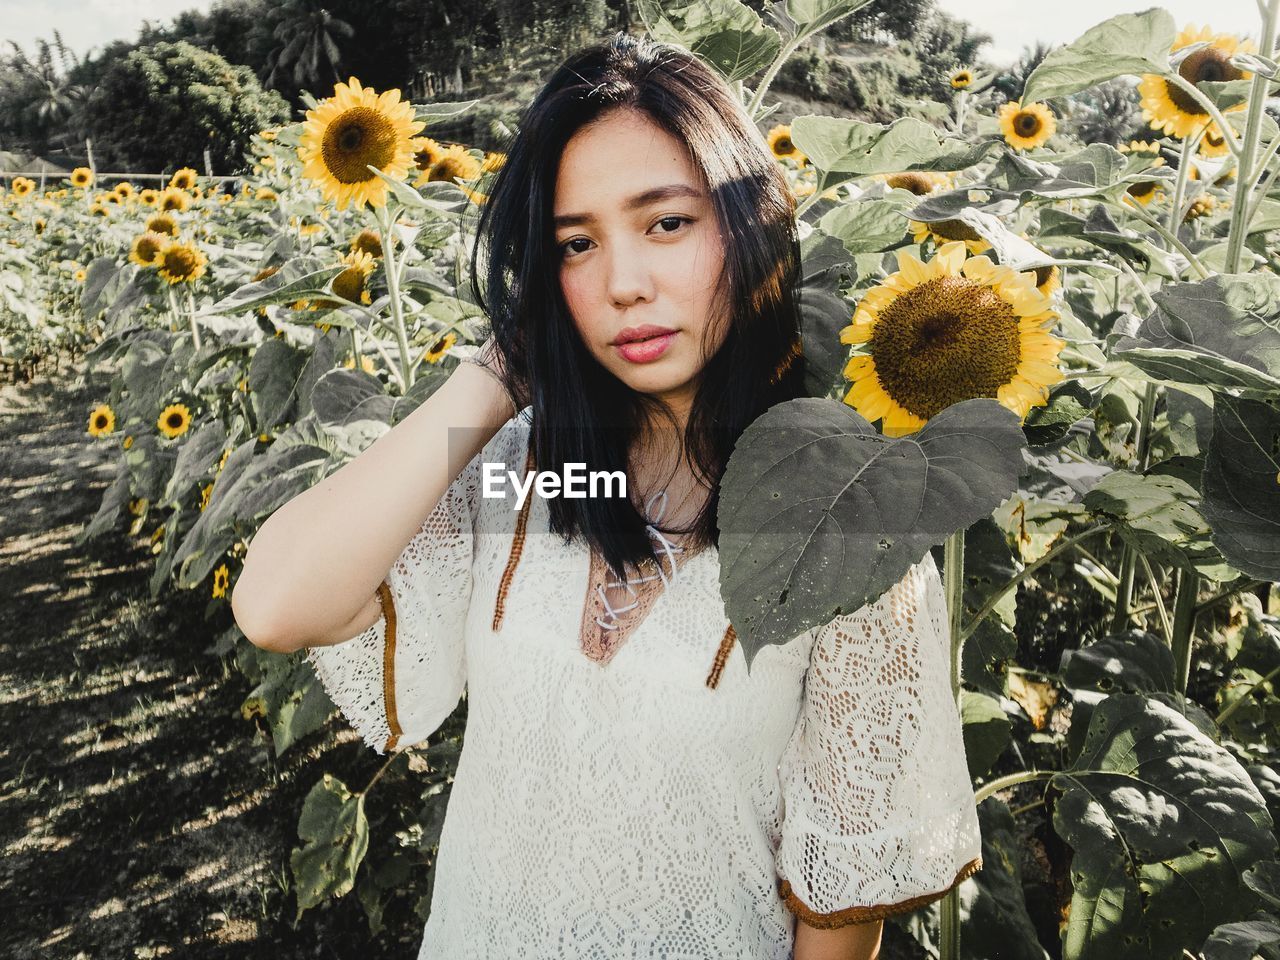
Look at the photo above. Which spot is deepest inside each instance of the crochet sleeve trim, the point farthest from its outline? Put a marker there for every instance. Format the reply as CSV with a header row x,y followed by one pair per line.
x,y
859,914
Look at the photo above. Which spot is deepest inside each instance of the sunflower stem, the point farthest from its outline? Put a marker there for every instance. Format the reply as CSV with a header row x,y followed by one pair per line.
x,y
1247,176
1128,558
1159,599
1241,700
953,581
1173,241
191,314
1180,184
1184,622
393,287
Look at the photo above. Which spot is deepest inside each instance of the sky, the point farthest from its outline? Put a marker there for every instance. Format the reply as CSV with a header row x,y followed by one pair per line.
x,y
1012,24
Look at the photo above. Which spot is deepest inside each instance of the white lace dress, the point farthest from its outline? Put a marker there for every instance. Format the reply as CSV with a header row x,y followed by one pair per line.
x,y
660,803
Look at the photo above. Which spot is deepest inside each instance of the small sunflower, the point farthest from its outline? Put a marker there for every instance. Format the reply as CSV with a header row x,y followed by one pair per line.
x,y
174,420
267,135
81,177
39,223
79,275
221,580
138,506
427,152
205,493
102,420
173,199
124,190
1202,206
1168,107
1144,191
440,347
128,442
149,196
950,329
350,284
265,193
147,249
162,223
453,162
1026,128
1213,143
781,145
919,182
366,364
943,231
184,179
961,79
181,262
355,129
367,241
23,186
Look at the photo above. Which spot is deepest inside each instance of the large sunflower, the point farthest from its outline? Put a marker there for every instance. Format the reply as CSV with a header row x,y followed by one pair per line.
x,y
1168,107
950,329
81,177
174,420
781,145
147,249
353,130
1026,128
102,420
181,262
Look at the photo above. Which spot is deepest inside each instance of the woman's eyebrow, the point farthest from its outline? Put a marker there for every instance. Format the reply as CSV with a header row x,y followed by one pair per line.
x,y
635,202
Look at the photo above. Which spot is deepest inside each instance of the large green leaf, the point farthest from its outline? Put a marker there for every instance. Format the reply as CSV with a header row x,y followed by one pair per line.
x,y
988,566
275,375
1223,332
867,226
1089,172
987,731
1244,940
726,33
820,514
295,280
1129,43
344,396
335,833
1241,485
823,311
196,458
812,16
1162,822
1132,662
856,148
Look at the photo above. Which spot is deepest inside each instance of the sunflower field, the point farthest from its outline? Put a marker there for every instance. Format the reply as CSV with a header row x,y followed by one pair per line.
x,y
1064,355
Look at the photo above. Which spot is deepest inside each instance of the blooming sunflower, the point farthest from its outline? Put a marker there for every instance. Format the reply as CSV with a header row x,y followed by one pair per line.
x,y
942,231
39,223
367,241
938,332
23,186
205,492
355,129
147,249
366,364
781,145
184,179
181,262
919,182
149,196
265,193
453,161
350,283
1213,143
428,151
174,420
1202,206
1144,191
1168,107
493,162
961,79
440,347
1026,128
79,275
162,223
221,580
102,420
124,190
81,177
171,198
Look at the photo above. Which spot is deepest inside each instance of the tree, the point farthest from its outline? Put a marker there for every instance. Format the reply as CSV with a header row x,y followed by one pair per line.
x,y
307,54
46,101
161,106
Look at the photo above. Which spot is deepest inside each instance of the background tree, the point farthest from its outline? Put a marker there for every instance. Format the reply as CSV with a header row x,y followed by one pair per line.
x,y
43,102
307,54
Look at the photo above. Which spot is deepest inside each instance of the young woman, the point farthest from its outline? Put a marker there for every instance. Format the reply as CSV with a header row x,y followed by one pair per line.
x,y
626,787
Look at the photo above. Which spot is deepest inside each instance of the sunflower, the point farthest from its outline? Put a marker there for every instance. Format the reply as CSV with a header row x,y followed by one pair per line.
x,y
1202,206
149,196
1144,191
1026,128
221,580
367,241
1168,107
138,506
781,145
171,198
23,186
81,177
128,442
942,231
427,152
147,248
162,223
124,190
1047,279
355,129
39,223
174,420
366,364
184,179
205,492
102,420
267,135
950,329
181,262
1213,143
265,193
961,79
919,182
493,162
79,275
440,347
350,283
453,162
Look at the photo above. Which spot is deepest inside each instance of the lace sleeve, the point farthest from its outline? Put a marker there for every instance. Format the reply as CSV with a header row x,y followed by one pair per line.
x,y
401,678
879,816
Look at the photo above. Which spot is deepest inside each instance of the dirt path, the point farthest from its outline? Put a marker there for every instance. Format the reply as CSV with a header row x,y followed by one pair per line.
x,y
140,815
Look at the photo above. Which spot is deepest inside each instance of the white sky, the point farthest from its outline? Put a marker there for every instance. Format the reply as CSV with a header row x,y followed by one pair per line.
x,y
1012,24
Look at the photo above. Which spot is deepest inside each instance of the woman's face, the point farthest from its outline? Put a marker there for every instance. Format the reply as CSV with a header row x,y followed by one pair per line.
x,y
639,244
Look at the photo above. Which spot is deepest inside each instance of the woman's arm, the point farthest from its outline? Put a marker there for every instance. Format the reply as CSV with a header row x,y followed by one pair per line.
x,y
855,941
312,570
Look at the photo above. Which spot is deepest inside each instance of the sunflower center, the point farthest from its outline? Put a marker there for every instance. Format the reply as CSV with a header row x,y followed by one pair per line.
x,y
1209,64
946,340
954,230
148,248
356,140
174,421
1026,124
101,421
915,182
180,261
783,145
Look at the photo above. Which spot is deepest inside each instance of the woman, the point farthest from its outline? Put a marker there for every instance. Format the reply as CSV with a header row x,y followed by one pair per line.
x,y
626,787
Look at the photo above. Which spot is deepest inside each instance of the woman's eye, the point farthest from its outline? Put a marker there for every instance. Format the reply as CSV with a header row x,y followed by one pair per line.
x,y
564,247
567,248
676,219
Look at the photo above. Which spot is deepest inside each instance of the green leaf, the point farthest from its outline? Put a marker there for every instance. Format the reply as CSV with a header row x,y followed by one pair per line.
x,y
1128,43
296,280
1243,940
812,16
335,832
820,514
343,396
988,566
998,924
867,226
1241,484
823,311
1162,821
196,459
1132,662
987,731
274,376
858,148
728,34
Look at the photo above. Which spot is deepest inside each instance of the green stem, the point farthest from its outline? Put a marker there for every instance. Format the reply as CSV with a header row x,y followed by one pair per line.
x,y
1173,241
1235,704
1247,175
949,929
1010,780
1128,559
953,582
1022,574
1184,621
1229,592
1228,133
1180,184
790,47
1159,599
393,288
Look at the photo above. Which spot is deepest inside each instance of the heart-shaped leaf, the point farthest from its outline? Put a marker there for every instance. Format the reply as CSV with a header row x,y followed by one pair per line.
x,y
1129,43
1241,483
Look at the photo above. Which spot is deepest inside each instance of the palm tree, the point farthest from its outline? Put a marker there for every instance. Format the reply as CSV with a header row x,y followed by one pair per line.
x,y
307,51
53,102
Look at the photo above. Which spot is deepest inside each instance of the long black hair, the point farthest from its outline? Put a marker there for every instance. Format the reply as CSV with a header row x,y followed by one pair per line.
x,y
582,413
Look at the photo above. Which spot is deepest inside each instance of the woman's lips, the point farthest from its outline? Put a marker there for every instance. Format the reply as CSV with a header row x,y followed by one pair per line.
x,y
643,351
